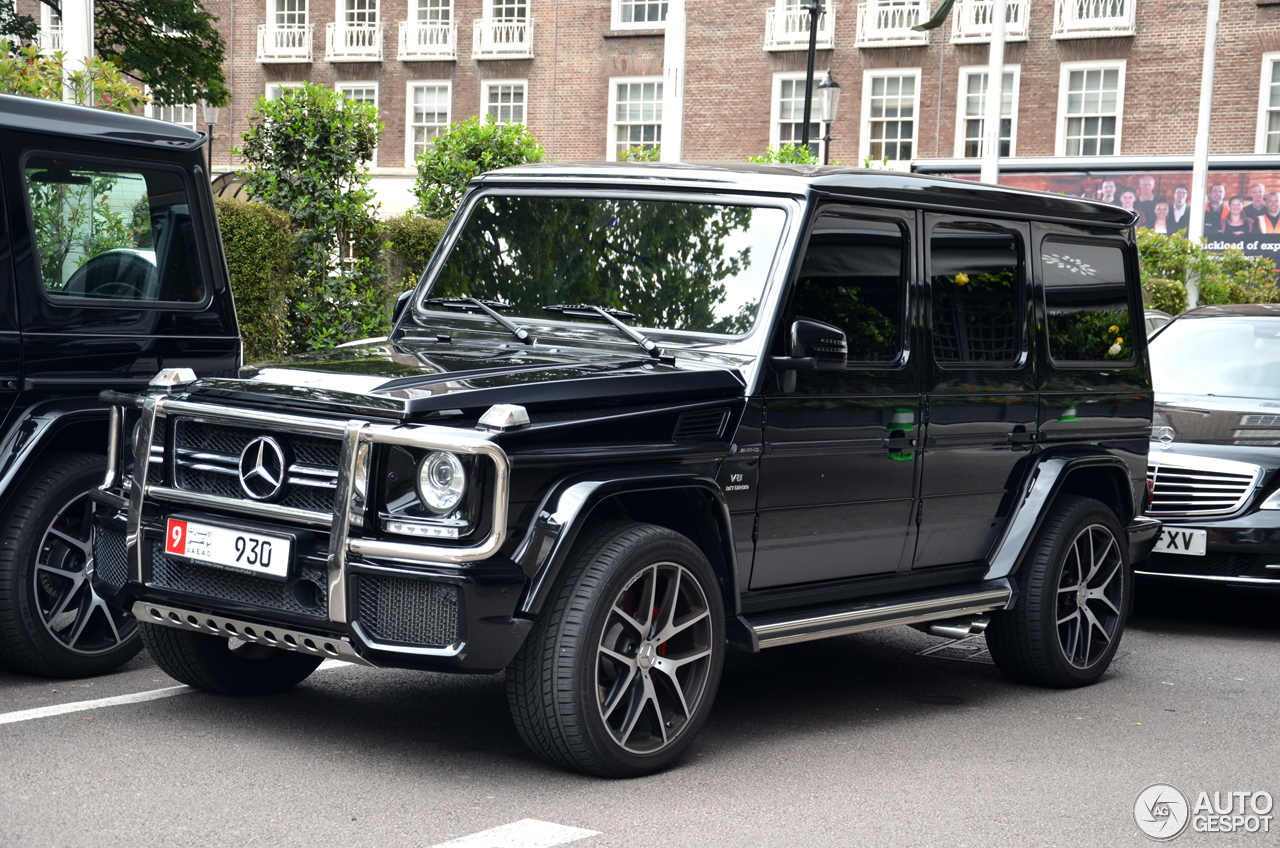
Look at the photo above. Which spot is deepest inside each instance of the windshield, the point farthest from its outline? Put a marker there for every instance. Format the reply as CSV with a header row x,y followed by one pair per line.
x,y
1228,357
673,265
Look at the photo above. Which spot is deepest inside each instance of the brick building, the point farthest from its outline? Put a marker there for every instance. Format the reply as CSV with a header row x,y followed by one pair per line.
x,y
1089,77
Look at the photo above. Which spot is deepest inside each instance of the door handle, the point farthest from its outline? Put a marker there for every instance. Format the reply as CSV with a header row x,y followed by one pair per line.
x,y
1022,437
898,440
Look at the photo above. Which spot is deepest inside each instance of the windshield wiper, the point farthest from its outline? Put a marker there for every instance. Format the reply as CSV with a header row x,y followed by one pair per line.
x,y
588,310
487,307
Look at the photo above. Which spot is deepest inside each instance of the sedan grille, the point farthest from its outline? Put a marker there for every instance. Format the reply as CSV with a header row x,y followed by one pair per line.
x,y
1196,485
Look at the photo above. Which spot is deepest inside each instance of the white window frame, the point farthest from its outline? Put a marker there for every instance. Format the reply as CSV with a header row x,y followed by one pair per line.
x,y
485,85
775,109
154,108
271,14
340,13
1264,99
616,21
967,71
343,87
1064,78
277,86
415,7
611,133
408,112
864,131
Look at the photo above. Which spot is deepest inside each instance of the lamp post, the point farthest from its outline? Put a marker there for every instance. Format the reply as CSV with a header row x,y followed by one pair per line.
x,y
210,120
830,91
815,10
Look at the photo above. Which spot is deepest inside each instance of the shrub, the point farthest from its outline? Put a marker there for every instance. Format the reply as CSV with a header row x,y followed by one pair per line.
x,y
308,153
640,153
25,71
409,241
1163,294
786,154
463,151
1167,262
258,242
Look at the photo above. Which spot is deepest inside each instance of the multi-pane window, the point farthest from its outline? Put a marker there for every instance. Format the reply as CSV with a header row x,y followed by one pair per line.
x,y
789,123
637,116
183,115
428,114
1091,110
290,13
1269,107
434,11
973,87
504,102
360,13
510,10
889,116
275,90
640,13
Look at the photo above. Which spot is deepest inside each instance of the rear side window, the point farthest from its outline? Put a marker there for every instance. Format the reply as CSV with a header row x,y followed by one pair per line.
x,y
1088,303
976,296
112,233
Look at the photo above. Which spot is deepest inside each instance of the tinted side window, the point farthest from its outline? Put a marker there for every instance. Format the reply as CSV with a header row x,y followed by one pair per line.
x,y
851,278
1088,303
975,296
112,233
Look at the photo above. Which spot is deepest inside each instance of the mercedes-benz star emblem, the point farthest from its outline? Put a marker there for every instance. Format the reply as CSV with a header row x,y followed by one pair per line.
x,y
262,468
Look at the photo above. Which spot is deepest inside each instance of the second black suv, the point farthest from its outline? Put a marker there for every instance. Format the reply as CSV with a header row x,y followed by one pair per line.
x,y
635,415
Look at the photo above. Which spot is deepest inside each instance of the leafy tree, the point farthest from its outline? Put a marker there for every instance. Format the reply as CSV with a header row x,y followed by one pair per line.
x,y
15,28
25,71
786,154
308,153
465,150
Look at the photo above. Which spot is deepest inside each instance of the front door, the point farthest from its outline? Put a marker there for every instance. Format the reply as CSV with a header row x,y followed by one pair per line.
x,y
838,469
982,397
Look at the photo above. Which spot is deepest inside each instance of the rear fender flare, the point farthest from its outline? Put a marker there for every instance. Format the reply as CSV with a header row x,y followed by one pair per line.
x,y
567,508
32,434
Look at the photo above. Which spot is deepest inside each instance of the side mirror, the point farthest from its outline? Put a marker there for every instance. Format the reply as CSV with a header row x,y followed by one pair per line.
x,y
401,302
814,347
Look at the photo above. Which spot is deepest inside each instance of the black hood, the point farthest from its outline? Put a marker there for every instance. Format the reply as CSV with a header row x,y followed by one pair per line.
x,y
1226,426
422,376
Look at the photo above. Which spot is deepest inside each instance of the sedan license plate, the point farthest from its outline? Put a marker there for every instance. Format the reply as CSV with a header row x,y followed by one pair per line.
x,y
239,550
1175,540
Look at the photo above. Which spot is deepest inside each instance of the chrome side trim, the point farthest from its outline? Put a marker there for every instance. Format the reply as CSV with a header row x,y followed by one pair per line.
x,y
252,508
1244,581
340,526
773,631
270,635
408,650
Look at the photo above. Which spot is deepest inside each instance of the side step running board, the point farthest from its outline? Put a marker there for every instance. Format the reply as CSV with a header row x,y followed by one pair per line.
x,y
767,630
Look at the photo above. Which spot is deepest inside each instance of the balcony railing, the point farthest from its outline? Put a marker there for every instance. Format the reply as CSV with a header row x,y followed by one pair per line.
x,y
427,42
787,28
1093,18
50,40
502,39
971,21
888,23
284,43
353,42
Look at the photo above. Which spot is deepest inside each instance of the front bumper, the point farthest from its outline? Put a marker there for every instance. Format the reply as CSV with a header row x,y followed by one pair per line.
x,y
1243,550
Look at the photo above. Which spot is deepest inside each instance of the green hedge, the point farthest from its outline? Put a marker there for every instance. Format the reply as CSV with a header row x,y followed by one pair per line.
x,y
258,242
409,241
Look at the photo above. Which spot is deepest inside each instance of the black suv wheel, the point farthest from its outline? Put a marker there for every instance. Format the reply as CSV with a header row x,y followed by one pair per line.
x,y
52,619
1066,624
619,673
225,666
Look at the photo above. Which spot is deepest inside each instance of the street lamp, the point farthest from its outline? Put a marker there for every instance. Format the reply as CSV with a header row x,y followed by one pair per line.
x,y
210,120
815,10
830,91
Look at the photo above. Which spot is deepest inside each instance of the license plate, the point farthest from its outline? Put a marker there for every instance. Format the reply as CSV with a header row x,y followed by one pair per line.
x,y
239,550
1174,540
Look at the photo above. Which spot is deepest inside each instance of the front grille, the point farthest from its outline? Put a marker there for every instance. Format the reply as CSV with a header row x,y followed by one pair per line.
x,y
110,556
1211,564
417,612
207,460
1192,485
303,594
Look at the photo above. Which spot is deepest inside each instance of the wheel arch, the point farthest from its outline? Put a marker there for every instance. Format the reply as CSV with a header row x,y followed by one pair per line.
x,y
680,500
72,426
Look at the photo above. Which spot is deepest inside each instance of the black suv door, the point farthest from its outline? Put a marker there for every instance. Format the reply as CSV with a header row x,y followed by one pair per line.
x,y
982,395
838,470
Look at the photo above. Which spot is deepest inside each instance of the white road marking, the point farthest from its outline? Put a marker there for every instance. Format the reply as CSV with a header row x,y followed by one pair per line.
x,y
119,700
526,833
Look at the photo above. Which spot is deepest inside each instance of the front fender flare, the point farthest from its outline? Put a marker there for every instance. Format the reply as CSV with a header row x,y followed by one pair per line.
x,y
27,437
567,507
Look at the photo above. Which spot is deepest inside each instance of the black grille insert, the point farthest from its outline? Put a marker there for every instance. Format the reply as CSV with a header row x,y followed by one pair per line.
x,y
305,593
1211,564
415,612
110,556
703,425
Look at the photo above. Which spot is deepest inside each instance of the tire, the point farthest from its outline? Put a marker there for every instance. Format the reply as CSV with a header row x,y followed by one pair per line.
x,y
1062,632
214,664
600,691
53,621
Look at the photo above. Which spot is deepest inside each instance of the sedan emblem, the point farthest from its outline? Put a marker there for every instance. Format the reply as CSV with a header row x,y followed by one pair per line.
x,y
262,468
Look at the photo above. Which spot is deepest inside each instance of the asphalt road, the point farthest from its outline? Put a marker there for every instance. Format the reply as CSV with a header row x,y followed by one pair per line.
x,y
852,741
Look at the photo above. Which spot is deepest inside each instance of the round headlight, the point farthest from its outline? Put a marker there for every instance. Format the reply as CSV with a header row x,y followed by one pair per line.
x,y
441,482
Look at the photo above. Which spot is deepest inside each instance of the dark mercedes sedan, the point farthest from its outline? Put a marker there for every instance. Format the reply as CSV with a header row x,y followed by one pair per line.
x,y
1214,465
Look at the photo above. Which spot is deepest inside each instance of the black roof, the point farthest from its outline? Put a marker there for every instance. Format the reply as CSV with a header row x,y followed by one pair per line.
x,y
28,114
877,186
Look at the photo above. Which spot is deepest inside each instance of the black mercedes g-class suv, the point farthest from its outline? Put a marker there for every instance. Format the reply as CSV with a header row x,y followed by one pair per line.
x,y
634,416
110,269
